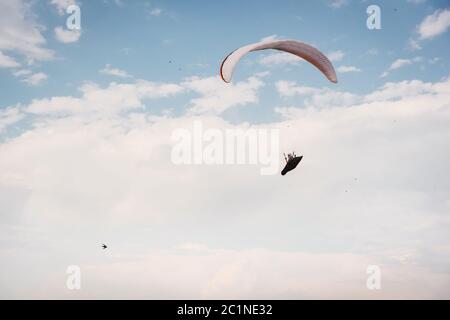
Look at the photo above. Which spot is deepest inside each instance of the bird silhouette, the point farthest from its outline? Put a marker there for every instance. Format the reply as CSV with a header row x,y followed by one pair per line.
x,y
104,246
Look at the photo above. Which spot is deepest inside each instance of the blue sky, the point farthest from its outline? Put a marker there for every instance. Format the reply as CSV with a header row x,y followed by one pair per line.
x,y
86,139
196,36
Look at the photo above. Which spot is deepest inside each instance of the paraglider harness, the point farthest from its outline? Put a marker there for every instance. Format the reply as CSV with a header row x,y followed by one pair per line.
x,y
291,162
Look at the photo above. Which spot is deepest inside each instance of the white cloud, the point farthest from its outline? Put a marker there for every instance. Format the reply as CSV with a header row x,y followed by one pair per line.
x,y
279,58
156,12
9,116
114,72
404,90
414,44
22,72
399,63
27,76
35,78
347,69
290,89
19,33
336,55
434,24
320,98
67,175
326,98
8,62
217,96
196,247
110,100
338,3
66,36
241,274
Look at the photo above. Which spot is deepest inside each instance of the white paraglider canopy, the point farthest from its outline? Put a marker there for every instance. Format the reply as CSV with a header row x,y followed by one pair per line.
x,y
300,49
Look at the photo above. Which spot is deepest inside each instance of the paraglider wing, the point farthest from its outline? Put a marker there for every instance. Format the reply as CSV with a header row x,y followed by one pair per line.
x,y
291,165
300,49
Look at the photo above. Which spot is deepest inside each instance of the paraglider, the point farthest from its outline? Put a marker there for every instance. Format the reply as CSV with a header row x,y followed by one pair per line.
x,y
298,48
292,162
295,47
